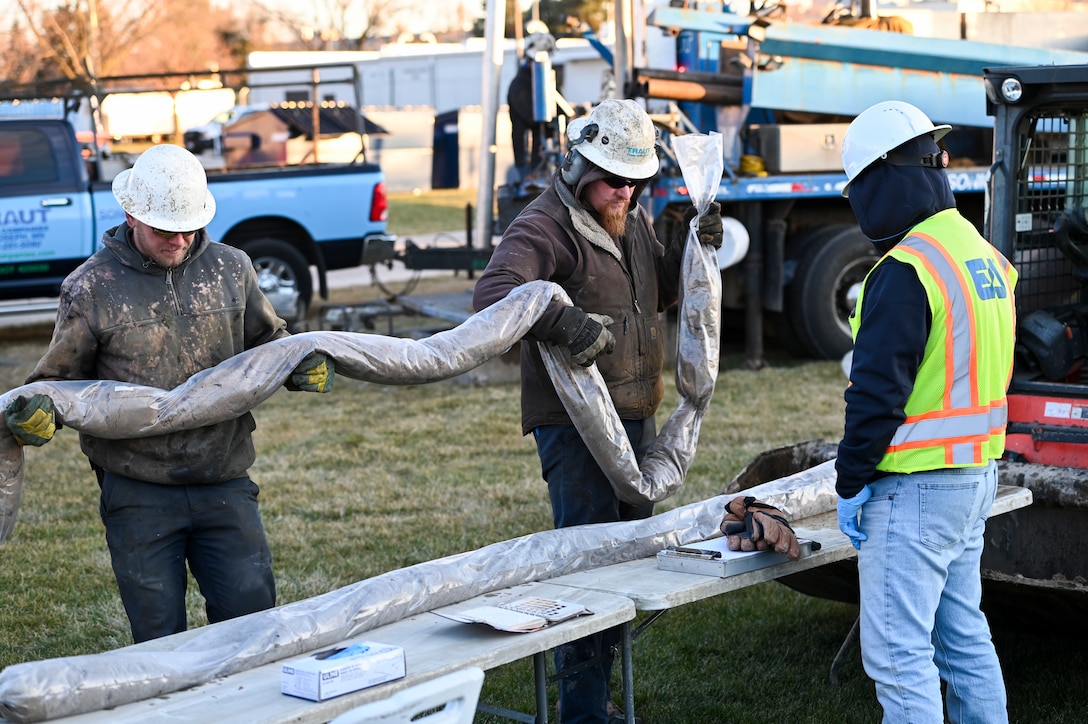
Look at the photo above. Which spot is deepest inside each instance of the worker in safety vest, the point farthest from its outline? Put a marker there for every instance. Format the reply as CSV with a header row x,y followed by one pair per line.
x,y
934,328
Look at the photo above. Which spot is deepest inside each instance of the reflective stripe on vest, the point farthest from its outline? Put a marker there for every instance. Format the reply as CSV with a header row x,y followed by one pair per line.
x,y
966,425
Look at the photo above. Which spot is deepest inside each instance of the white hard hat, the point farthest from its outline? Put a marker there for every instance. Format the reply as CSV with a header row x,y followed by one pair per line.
x,y
166,188
879,129
617,136
538,42
536,26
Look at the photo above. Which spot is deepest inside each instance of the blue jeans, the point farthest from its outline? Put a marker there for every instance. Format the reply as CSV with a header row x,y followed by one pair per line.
x,y
580,493
920,594
152,530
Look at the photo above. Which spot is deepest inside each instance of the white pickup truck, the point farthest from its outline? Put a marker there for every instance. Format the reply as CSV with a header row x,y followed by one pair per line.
x,y
54,209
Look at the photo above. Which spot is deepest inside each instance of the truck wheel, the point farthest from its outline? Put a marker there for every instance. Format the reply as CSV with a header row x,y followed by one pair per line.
x,y
284,276
825,289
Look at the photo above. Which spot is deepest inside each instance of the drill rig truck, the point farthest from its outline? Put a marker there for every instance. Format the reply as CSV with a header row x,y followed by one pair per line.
x,y
782,94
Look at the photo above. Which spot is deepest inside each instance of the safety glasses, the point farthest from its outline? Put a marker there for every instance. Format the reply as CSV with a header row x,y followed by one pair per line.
x,y
171,234
618,183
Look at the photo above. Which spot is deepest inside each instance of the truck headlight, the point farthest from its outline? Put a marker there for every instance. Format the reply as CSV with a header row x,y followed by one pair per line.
x,y
1012,90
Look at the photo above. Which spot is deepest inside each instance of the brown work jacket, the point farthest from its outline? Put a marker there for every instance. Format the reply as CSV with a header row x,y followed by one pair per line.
x,y
633,283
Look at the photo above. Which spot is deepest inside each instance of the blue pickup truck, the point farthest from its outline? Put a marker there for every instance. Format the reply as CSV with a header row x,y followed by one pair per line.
x,y
55,205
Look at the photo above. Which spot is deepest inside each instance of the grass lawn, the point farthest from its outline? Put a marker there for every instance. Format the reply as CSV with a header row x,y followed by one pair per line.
x,y
431,211
371,478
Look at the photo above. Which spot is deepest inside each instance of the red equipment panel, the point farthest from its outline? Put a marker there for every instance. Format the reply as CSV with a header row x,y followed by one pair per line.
x,y
1048,430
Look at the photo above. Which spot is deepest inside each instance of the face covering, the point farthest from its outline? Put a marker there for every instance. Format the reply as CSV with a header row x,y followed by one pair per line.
x,y
888,199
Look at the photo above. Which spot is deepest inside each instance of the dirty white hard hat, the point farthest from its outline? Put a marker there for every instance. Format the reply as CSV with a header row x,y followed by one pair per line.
x,y
879,129
618,136
539,42
166,188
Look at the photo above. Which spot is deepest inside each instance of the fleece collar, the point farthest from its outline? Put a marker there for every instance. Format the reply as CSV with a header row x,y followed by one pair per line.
x,y
584,223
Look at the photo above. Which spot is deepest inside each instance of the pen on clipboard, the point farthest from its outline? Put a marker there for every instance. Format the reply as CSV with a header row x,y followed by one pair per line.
x,y
702,553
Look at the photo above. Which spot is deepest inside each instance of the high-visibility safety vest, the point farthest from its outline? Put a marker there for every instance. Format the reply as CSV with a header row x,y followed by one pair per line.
x,y
957,412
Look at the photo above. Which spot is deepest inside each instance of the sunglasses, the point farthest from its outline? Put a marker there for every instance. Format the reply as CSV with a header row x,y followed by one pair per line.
x,y
171,234
618,183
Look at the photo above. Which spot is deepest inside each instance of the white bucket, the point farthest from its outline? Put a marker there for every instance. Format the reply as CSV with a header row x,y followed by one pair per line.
x,y
734,242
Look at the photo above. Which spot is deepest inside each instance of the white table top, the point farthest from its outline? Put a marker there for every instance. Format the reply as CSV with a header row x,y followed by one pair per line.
x,y
433,646
653,589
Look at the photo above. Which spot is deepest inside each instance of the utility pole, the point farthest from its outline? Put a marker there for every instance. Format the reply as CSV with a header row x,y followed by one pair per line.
x,y
494,32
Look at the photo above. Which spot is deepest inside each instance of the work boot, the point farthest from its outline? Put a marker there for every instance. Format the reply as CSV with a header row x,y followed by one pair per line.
x,y
615,714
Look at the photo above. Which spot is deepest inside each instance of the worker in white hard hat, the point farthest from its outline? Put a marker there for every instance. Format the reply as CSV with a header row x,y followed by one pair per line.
x,y
934,330
587,233
157,304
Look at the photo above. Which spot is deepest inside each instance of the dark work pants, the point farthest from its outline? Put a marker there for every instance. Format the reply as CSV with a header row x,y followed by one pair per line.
x,y
580,493
153,530
519,99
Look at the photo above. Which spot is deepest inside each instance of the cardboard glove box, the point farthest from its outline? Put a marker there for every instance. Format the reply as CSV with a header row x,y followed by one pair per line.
x,y
341,670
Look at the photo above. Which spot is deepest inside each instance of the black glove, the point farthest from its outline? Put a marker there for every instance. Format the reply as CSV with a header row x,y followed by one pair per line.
x,y
751,525
710,225
33,421
586,335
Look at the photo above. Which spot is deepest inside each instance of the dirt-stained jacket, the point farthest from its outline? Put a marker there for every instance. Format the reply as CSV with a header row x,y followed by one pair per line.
x,y
633,280
122,317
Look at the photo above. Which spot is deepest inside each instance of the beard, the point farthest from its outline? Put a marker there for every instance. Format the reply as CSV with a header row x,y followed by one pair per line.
x,y
614,219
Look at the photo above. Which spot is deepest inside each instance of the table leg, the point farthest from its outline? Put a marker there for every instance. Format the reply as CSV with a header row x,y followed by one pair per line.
x,y
627,674
540,679
847,646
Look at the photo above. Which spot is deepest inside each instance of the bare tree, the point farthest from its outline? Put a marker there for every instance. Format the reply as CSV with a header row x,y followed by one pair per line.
x,y
81,38
96,38
19,61
336,24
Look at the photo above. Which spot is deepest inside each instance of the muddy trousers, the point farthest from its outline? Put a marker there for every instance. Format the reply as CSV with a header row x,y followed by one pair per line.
x,y
155,531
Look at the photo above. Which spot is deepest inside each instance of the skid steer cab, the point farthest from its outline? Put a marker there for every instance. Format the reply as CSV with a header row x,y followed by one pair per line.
x,y
1037,220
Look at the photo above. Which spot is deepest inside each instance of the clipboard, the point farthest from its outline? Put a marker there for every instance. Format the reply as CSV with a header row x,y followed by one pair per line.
x,y
713,558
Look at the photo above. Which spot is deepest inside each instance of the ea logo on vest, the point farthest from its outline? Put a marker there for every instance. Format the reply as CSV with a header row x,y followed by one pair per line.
x,y
988,281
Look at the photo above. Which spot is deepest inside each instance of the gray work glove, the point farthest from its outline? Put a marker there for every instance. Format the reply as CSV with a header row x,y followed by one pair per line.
x,y
586,335
315,373
33,421
751,525
710,225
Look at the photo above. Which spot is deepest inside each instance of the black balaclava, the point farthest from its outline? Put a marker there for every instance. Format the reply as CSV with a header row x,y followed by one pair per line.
x,y
897,192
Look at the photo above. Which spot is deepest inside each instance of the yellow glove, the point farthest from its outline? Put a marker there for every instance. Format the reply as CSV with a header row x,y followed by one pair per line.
x,y
32,422
315,373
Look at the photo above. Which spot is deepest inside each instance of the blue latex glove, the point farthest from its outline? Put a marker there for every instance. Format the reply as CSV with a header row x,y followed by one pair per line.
x,y
848,516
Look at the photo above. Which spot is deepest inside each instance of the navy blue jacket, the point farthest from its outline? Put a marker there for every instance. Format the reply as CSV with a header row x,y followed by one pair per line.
x,y
887,353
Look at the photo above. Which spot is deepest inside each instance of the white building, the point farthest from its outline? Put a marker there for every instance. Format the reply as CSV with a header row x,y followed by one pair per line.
x,y
405,87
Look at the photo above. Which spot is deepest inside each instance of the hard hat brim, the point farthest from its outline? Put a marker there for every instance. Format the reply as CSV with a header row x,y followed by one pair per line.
x,y
937,132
